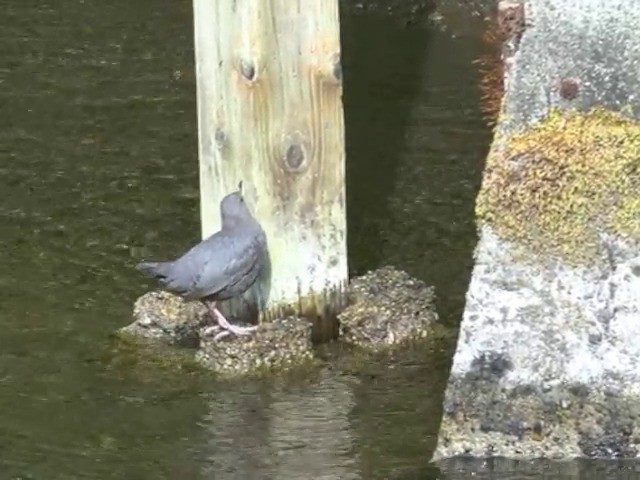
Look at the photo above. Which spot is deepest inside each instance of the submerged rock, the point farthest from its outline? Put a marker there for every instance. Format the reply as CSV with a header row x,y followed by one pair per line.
x,y
276,345
387,307
165,317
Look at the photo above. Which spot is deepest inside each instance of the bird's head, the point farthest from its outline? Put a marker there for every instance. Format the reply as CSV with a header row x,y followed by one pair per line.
x,y
233,209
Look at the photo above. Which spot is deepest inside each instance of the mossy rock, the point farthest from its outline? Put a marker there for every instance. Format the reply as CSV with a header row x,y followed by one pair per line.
x,y
560,186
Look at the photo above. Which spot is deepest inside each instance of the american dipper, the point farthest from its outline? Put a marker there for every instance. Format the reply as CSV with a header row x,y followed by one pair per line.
x,y
223,266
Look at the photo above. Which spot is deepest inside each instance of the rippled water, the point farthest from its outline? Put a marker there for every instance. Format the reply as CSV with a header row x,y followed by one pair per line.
x,y
98,167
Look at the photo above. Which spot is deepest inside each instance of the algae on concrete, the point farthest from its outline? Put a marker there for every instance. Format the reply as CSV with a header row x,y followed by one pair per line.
x,y
558,186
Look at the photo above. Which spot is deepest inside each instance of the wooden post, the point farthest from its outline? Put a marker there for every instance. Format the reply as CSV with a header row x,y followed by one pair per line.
x,y
269,95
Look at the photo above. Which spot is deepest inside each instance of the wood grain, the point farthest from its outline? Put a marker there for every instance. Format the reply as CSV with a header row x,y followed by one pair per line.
x,y
269,92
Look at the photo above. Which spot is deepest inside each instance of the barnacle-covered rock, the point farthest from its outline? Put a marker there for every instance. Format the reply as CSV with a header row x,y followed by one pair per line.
x,y
165,317
276,345
387,307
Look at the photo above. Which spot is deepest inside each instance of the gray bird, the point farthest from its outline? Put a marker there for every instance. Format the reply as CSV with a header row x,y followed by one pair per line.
x,y
223,266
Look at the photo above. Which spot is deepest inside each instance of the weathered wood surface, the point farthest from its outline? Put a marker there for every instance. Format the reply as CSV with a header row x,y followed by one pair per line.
x,y
269,89
547,357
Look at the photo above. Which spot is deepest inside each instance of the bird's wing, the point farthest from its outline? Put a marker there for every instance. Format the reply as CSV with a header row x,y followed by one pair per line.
x,y
226,265
186,271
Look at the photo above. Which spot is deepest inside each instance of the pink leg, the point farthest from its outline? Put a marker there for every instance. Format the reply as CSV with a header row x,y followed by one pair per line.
x,y
225,325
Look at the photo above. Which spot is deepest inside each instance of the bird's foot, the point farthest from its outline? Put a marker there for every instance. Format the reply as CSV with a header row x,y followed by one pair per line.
x,y
229,328
219,333
239,331
222,334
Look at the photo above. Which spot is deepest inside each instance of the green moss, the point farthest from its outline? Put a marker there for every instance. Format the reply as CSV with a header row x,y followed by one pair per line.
x,y
555,187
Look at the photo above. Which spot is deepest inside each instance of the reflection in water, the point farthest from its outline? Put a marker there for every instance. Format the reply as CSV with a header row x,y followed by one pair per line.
x,y
416,145
237,426
395,431
286,432
311,431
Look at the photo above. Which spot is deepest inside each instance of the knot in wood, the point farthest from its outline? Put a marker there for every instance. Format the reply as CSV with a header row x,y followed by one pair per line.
x,y
294,158
220,138
247,69
337,68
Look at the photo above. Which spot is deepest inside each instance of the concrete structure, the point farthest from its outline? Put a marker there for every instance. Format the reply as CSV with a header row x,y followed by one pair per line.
x,y
548,357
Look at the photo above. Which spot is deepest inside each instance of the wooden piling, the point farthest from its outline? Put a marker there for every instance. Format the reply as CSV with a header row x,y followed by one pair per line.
x,y
269,93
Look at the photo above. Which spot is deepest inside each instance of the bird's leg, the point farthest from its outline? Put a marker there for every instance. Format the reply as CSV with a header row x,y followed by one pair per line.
x,y
235,329
225,325
214,317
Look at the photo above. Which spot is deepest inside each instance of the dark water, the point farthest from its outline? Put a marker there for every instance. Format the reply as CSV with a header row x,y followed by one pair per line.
x,y
98,167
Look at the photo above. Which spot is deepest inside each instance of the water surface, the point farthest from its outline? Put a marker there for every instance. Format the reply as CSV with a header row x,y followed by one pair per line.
x,y
98,167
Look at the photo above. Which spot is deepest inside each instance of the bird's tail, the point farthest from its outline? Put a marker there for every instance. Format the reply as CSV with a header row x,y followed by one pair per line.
x,y
155,269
